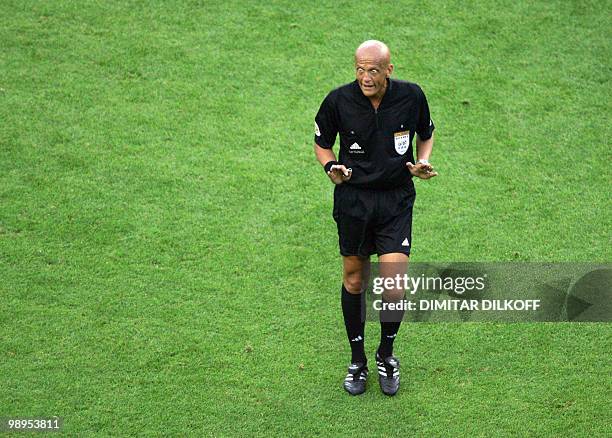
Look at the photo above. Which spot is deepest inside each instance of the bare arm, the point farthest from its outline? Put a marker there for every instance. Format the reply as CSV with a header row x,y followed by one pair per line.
x,y
422,170
424,147
324,155
338,173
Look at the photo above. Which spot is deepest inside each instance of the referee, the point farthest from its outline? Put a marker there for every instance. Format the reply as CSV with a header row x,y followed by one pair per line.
x,y
377,118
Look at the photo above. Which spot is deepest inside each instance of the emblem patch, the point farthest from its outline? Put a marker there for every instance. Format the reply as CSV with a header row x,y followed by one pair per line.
x,y
402,141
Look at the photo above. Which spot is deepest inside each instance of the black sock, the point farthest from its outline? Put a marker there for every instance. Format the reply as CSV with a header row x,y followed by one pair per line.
x,y
390,321
354,319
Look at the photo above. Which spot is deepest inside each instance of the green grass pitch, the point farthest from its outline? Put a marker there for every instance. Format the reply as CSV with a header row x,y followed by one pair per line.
x,y
168,259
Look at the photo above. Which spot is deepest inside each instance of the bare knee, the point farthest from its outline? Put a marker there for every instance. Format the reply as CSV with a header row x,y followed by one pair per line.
x,y
355,273
353,282
393,265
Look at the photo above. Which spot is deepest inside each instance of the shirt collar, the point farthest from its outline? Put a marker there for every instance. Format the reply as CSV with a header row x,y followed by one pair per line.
x,y
390,82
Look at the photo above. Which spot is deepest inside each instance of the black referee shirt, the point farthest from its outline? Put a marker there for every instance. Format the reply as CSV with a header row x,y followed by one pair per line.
x,y
376,144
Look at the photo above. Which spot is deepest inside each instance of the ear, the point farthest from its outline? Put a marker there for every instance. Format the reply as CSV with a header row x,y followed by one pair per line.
x,y
389,70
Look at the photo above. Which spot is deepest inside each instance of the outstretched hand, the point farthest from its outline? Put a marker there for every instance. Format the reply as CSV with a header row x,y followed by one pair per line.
x,y
338,173
421,170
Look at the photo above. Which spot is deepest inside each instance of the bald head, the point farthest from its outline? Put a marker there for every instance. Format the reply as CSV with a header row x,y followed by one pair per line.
x,y
372,69
373,51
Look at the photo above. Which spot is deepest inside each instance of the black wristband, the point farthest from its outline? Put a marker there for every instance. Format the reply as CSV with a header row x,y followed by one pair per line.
x,y
329,164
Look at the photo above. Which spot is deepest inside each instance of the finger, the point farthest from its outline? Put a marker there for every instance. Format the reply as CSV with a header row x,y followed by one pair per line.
x,y
410,165
341,168
333,175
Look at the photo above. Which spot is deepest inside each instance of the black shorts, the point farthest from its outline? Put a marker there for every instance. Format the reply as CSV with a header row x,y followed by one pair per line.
x,y
372,221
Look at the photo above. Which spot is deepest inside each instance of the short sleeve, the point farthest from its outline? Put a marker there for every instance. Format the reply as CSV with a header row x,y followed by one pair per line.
x,y
425,125
326,126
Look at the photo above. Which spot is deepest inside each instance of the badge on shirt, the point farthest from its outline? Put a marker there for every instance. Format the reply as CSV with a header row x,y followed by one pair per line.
x,y
402,141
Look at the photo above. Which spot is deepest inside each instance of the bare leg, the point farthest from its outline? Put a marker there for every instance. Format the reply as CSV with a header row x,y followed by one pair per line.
x,y
355,273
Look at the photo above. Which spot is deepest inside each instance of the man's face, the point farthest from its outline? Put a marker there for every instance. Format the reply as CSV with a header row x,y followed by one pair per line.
x,y
371,73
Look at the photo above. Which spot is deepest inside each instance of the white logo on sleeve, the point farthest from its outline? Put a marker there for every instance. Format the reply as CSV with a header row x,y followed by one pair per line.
x,y
405,242
317,130
430,122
